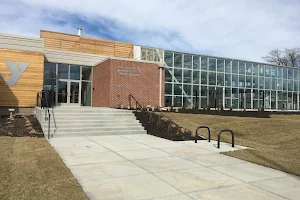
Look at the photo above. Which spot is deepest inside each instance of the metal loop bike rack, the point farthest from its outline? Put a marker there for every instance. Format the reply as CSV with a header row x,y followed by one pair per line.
x,y
219,137
196,137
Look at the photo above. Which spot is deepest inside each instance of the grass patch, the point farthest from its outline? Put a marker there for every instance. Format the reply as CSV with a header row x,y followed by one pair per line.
x,y
275,141
31,169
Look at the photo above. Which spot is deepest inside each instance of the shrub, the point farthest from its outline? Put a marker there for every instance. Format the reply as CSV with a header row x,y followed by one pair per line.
x,y
244,110
262,109
196,107
172,108
183,107
222,107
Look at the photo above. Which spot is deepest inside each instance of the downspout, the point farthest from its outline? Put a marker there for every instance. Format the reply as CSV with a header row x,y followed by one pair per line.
x,y
161,59
160,86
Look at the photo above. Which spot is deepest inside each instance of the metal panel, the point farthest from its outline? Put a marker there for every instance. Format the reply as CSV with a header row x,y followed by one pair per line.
x,y
23,43
75,58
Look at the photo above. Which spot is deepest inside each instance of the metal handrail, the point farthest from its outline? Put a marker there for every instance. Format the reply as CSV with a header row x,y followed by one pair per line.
x,y
136,102
232,136
54,122
47,110
196,137
49,115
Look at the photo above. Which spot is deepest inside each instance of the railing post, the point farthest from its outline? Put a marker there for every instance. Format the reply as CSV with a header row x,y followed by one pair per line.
x,y
49,123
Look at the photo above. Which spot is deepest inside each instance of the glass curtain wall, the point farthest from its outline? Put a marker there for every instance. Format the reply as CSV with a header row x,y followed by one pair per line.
x,y
78,76
195,80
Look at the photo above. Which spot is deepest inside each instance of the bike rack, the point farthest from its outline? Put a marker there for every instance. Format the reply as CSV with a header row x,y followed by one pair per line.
x,y
219,137
200,128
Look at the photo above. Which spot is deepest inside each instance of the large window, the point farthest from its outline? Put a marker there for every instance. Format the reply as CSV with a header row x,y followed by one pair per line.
x,y
209,81
50,76
64,78
151,54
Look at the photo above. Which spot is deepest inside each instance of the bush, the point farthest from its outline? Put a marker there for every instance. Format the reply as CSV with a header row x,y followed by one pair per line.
x,y
262,109
244,110
230,109
172,108
196,107
221,107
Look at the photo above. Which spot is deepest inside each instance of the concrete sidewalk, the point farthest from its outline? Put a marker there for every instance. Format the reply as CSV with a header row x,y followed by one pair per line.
x,y
140,167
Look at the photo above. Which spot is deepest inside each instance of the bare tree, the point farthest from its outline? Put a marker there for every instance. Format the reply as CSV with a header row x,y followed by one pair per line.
x,y
287,57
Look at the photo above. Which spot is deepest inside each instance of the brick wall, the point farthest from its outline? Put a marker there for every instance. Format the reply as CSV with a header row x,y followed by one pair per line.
x,y
101,84
140,79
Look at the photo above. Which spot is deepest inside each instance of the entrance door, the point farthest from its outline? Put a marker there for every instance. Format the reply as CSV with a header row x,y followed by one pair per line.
x,y
68,93
74,88
62,92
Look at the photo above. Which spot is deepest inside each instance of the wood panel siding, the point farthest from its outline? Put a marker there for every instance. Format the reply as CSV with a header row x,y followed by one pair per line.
x,y
23,93
84,44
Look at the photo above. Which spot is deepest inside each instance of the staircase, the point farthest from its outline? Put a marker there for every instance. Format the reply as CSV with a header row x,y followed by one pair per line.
x,y
91,121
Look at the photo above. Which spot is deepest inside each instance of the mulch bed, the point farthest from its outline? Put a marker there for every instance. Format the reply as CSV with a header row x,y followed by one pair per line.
x,y
20,126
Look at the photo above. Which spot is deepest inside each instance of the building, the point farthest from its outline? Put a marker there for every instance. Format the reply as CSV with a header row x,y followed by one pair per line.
x,y
85,71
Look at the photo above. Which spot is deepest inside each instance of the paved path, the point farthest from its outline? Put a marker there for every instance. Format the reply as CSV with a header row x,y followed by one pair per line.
x,y
141,167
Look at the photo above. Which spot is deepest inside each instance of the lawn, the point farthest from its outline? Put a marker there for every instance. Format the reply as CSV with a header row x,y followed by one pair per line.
x,y
31,169
275,141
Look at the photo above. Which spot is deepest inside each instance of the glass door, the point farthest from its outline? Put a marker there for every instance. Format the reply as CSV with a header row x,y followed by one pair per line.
x,y
62,92
74,88
74,85
68,93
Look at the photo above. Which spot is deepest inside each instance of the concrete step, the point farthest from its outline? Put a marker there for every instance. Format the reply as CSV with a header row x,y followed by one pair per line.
x,y
89,121
96,133
89,117
111,114
99,126
94,121
90,129
90,111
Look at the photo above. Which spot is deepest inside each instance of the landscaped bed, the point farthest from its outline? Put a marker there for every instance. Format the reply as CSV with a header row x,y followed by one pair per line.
x,y
275,140
29,167
19,126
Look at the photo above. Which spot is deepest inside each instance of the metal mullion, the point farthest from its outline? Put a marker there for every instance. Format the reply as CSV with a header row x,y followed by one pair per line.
x,y
80,87
182,78
192,82
56,77
200,73
231,84
173,79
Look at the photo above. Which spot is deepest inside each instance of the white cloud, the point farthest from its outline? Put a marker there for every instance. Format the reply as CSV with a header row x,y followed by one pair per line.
x,y
245,29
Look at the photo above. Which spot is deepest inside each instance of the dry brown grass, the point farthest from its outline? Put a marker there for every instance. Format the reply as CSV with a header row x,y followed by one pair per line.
x,y
31,169
275,141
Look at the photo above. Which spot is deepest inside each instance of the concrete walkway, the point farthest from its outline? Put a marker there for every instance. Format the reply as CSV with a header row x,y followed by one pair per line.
x,y
140,167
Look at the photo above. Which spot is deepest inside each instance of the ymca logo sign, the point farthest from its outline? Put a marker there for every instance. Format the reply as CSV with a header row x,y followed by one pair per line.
x,y
16,69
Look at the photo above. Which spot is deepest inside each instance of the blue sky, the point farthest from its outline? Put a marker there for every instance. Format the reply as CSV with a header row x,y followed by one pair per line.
x,y
244,29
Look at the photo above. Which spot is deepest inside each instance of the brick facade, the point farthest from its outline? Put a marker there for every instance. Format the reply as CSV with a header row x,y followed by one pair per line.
x,y
114,80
